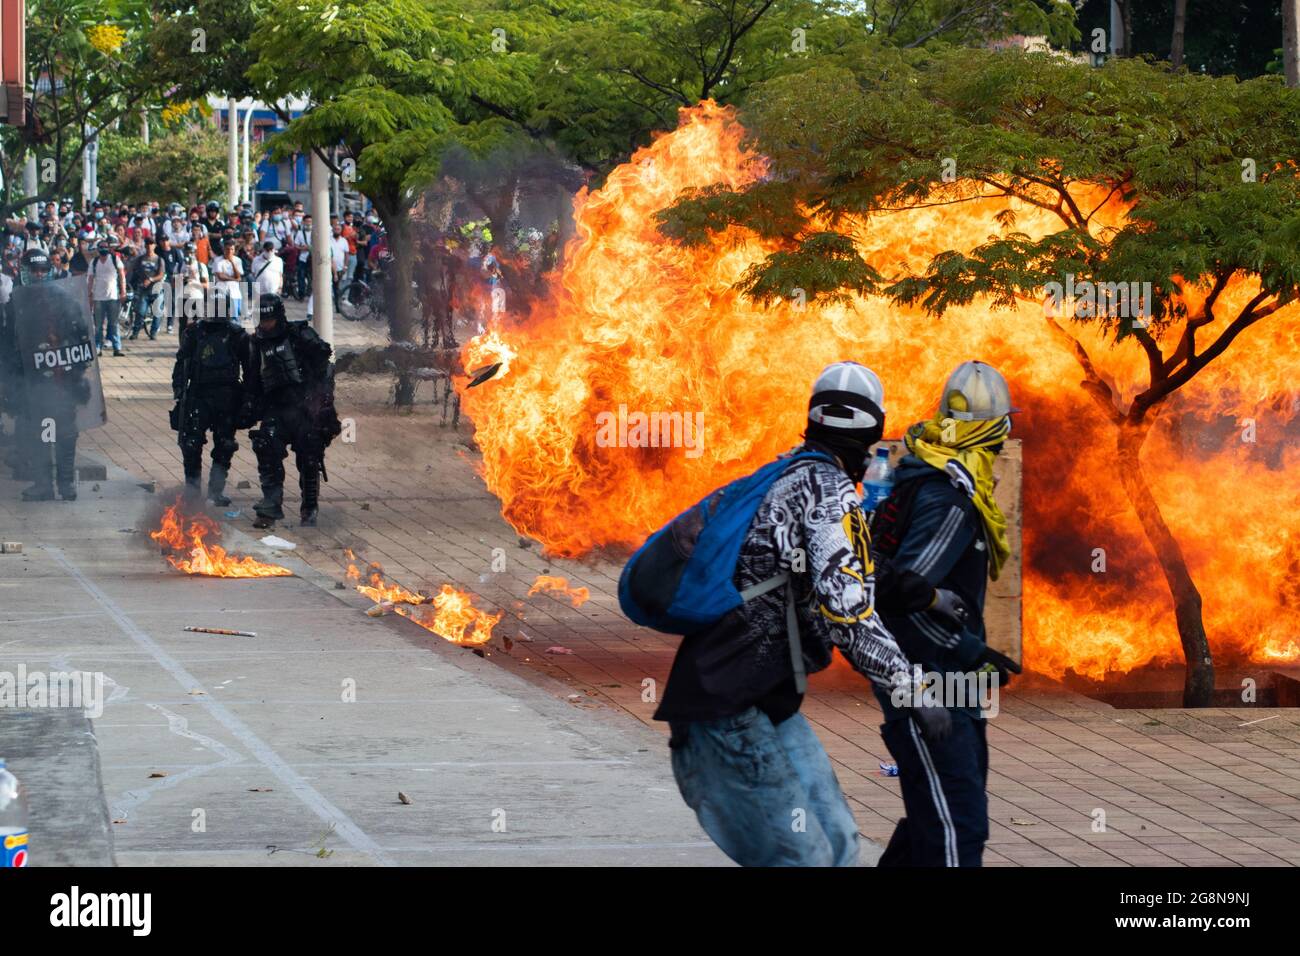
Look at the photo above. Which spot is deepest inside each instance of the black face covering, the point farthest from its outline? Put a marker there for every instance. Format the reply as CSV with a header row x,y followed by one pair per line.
x,y
850,446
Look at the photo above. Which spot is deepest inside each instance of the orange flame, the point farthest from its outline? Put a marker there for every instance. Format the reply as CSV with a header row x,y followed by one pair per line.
x,y
452,616
380,590
488,349
189,535
636,320
547,582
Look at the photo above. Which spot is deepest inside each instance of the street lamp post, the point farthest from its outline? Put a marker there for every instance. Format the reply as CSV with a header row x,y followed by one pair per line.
x,y
232,153
248,182
321,278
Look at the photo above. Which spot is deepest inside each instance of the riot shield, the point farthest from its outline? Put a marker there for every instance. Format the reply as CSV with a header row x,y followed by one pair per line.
x,y
56,344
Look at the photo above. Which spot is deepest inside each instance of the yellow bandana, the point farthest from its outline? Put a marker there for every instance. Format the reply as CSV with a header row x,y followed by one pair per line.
x,y
964,450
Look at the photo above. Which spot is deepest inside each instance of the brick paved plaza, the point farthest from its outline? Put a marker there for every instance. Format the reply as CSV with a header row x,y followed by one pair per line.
x,y
1177,787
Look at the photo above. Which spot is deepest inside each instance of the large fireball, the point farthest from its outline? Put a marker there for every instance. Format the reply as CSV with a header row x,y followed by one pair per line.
x,y
635,320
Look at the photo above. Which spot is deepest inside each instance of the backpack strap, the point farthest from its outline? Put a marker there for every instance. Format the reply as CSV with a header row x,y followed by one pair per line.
x,y
791,623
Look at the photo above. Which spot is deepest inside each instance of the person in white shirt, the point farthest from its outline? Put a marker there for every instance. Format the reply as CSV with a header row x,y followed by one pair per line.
x,y
300,237
267,271
338,259
228,272
275,229
107,290
194,287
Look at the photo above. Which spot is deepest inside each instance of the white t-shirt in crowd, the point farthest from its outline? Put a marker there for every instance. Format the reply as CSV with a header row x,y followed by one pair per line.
x,y
269,271
196,273
228,272
302,237
103,273
339,252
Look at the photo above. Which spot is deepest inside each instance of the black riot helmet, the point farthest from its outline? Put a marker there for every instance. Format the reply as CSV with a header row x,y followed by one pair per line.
x,y
271,320
34,266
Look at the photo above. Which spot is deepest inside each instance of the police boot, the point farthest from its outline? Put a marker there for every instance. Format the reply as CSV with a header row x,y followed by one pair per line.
x,y
65,469
269,510
310,497
217,485
193,484
43,488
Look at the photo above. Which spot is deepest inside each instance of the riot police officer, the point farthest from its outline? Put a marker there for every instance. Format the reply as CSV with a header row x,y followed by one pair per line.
x,y
53,358
208,385
291,392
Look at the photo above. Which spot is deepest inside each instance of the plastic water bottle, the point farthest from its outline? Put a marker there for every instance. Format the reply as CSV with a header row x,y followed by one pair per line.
x,y
878,481
13,820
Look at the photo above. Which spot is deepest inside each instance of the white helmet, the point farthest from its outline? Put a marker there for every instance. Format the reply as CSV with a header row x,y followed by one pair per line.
x,y
975,392
849,396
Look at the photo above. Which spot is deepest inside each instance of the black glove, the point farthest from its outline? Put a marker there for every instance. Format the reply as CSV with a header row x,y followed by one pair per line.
x,y
950,606
991,660
935,722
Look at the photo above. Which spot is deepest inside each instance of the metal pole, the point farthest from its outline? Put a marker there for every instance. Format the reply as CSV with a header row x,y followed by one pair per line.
x,y
248,182
1118,41
232,154
144,126
338,196
29,186
321,280
89,169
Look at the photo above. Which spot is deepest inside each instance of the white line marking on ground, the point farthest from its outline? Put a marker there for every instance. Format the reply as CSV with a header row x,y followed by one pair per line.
x,y
1260,721
342,823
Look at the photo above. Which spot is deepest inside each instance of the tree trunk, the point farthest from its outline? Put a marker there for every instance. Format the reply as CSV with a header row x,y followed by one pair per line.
x,y
401,322
1180,32
1291,41
1198,686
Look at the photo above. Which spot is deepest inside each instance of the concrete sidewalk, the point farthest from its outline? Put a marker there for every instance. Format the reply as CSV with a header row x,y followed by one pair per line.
x,y
227,750
1176,787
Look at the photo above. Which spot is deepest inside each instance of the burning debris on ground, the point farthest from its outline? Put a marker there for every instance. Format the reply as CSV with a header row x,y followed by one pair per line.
x,y
189,543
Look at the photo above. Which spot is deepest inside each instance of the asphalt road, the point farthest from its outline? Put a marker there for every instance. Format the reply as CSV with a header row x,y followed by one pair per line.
x,y
290,748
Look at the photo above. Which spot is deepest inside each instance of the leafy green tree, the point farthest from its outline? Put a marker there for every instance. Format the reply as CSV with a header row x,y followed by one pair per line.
x,y
386,82
1206,164
89,69
186,166
623,70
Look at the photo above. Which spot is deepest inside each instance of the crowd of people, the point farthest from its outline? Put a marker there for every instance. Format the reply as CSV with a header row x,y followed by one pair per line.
x,y
146,262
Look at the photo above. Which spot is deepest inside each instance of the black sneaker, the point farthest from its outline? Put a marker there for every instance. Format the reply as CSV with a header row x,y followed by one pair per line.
x,y
37,493
118,353
307,519
68,492
221,501
264,522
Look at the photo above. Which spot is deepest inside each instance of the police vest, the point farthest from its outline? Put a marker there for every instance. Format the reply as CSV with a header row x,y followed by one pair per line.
x,y
215,361
279,364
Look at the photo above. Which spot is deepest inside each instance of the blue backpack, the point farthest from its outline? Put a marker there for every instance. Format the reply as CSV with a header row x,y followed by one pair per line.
x,y
681,580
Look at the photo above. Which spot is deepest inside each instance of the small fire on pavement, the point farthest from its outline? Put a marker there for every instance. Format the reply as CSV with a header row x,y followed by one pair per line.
x,y
547,582
452,616
450,613
191,541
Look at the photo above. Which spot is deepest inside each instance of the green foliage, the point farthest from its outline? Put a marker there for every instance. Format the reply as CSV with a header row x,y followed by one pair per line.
x,y
77,85
185,166
1045,131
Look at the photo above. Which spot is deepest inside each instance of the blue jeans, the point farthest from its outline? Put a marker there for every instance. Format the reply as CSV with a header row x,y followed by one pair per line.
x,y
108,311
765,794
151,304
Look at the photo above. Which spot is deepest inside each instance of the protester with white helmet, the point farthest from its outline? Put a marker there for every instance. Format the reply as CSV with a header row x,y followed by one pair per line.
x,y
745,759
936,541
